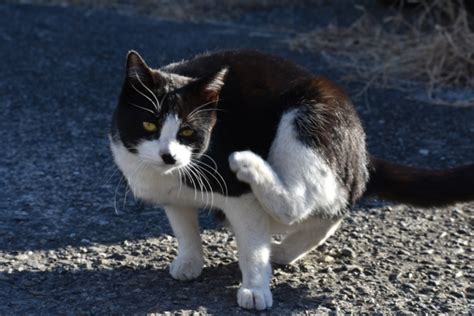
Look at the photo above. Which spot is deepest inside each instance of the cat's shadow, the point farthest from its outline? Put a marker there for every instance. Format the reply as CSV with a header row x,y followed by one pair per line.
x,y
125,290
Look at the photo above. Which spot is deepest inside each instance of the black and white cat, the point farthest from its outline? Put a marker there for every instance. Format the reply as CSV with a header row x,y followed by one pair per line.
x,y
276,148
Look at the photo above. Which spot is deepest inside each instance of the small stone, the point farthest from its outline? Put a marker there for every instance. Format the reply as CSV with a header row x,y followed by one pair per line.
x,y
459,251
424,152
428,252
394,277
458,274
433,283
426,290
117,256
456,294
348,252
410,286
355,269
328,259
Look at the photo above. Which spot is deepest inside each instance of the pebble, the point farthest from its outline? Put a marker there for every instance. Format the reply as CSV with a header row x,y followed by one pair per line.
x,y
424,152
394,277
328,258
348,252
442,235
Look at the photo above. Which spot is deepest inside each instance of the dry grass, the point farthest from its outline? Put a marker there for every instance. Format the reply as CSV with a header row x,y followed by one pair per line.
x,y
435,47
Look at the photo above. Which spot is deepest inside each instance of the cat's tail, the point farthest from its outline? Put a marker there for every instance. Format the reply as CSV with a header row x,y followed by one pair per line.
x,y
420,187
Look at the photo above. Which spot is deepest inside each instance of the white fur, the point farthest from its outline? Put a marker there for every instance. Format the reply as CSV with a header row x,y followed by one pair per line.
x,y
295,182
290,187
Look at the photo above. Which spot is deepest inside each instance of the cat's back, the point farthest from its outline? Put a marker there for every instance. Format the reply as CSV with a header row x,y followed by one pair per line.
x,y
250,71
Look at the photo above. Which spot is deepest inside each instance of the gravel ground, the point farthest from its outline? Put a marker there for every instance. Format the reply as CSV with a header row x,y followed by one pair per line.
x,y
70,243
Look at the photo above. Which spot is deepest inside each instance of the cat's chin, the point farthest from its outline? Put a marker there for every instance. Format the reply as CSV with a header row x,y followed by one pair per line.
x,y
166,170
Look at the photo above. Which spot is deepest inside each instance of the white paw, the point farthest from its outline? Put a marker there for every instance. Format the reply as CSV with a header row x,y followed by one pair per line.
x,y
255,298
247,166
186,268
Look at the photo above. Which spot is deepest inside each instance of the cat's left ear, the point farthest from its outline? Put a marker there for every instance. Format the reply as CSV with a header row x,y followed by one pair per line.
x,y
210,86
137,69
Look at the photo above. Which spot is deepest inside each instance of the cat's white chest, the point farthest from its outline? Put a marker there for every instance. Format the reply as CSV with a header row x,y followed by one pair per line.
x,y
151,187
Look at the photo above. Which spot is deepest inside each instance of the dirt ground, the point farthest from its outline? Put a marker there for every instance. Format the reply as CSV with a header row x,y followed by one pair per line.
x,y
65,250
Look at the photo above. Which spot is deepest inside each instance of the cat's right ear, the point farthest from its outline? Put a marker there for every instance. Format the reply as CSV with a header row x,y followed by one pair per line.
x,y
137,69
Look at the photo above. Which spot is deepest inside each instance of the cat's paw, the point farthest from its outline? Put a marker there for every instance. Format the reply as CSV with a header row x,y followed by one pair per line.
x,y
254,298
248,167
186,268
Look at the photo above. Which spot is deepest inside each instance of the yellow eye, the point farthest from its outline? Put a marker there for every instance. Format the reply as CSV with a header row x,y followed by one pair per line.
x,y
186,132
149,127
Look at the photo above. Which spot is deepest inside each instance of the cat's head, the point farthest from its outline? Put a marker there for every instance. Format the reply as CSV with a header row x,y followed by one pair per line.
x,y
164,119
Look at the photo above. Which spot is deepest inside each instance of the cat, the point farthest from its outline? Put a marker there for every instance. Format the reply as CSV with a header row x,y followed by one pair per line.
x,y
276,148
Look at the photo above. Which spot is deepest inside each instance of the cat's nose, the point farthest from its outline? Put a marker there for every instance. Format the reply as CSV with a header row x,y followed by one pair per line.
x,y
168,159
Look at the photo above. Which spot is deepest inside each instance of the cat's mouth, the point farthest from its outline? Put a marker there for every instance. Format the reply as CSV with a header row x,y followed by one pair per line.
x,y
162,168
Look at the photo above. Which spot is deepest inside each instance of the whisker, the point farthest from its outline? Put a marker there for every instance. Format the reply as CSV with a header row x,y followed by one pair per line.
x,y
211,159
145,109
115,194
149,90
221,184
211,192
144,95
112,175
180,182
200,107
134,172
196,114
198,179
186,170
164,98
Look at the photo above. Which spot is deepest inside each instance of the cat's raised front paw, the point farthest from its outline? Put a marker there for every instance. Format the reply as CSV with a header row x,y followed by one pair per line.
x,y
255,298
186,268
248,167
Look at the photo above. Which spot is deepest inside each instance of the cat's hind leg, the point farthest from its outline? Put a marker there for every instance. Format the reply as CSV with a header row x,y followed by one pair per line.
x,y
251,226
306,236
295,182
189,262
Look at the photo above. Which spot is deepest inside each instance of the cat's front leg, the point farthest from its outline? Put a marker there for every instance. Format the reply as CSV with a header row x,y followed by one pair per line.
x,y
189,262
251,226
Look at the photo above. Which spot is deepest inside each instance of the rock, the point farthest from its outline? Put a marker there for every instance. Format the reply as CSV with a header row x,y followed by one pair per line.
x,y
394,277
117,257
347,252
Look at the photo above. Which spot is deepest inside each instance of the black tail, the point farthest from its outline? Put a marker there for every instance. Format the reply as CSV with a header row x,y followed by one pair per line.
x,y
420,187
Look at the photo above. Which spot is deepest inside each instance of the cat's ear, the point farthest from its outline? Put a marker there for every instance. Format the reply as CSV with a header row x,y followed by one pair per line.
x,y
137,69
209,87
